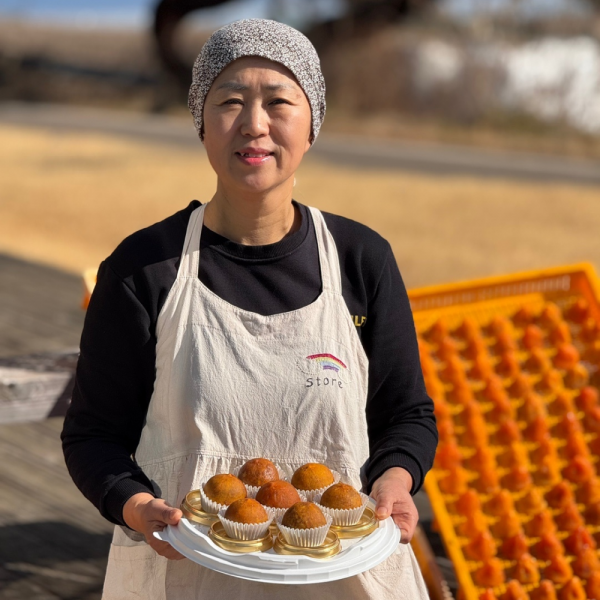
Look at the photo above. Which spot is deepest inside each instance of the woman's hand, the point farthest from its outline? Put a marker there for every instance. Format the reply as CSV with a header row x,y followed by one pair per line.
x,y
146,514
391,492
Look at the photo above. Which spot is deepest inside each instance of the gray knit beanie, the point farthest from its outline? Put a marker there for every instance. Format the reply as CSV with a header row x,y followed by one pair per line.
x,y
267,39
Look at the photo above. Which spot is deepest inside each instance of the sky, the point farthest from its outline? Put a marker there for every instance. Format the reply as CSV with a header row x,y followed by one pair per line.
x,y
137,13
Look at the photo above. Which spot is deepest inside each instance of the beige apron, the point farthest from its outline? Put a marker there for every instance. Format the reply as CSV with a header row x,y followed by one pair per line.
x,y
233,385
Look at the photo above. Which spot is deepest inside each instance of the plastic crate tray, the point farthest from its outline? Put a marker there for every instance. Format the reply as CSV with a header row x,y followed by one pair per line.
x,y
512,365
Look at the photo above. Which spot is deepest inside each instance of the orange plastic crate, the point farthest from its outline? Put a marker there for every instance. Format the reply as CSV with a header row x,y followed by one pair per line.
x,y
497,350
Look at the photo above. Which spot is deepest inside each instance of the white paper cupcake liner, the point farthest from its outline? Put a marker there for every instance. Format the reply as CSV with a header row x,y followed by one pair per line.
x,y
312,494
253,489
279,512
347,516
305,538
245,531
208,505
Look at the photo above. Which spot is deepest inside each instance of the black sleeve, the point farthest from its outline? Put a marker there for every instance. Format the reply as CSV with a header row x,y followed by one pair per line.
x,y
114,382
401,424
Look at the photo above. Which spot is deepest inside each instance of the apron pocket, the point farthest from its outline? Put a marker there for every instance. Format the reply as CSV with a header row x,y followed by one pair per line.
x,y
134,572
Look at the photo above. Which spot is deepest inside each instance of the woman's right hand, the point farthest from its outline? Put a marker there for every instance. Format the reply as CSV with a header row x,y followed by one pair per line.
x,y
146,514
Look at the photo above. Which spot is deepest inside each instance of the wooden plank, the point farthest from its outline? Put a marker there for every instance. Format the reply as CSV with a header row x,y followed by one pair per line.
x,y
36,387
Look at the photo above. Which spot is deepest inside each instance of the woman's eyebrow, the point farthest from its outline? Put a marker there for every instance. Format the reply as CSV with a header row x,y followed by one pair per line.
x,y
240,87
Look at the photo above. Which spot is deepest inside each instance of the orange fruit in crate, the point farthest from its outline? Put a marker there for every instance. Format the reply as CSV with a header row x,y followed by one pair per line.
x,y
487,595
468,329
468,503
533,407
521,386
579,470
569,518
586,563
526,570
551,382
481,547
576,377
562,404
514,547
533,337
523,316
438,331
501,503
455,482
592,586
545,591
592,420
447,349
579,311
508,431
547,546
573,590
592,513
560,496
448,455
578,540
550,315
514,591
540,523
490,574
537,430
538,361
532,502
546,447
508,365
560,334
559,570
566,357
508,526
589,491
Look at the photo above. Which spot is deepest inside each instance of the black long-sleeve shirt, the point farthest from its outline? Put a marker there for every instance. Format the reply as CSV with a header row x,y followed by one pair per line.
x,y
116,368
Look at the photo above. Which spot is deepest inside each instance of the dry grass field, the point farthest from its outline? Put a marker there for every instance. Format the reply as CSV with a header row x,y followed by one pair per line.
x,y
67,199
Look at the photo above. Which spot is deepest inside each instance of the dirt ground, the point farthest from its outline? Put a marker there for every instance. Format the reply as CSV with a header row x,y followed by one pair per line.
x,y
68,199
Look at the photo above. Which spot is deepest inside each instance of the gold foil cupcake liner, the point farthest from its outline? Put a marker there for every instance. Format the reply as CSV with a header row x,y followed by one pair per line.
x,y
219,536
208,505
367,524
253,489
312,494
245,531
305,538
192,510
344,517
330,547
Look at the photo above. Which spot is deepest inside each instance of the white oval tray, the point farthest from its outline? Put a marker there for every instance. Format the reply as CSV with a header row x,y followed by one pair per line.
x,y
357,555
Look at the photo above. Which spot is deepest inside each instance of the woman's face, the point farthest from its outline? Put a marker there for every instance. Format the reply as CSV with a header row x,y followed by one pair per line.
x,y
257,125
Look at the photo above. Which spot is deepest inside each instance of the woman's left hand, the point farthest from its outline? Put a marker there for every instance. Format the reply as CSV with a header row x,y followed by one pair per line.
x,y
391,492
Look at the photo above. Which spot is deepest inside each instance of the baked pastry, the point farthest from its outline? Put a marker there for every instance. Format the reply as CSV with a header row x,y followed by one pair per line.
x,y
278,494
257,472
341,496
247,511
304,515
224,489
312,476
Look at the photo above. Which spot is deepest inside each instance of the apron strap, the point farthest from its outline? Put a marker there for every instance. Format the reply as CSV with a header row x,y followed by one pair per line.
x,y
329,261
190,256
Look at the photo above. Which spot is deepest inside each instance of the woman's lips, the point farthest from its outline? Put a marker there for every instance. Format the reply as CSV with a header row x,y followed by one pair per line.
x,y
254,158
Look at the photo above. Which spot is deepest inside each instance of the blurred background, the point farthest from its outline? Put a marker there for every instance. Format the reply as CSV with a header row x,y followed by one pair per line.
x,y
467,132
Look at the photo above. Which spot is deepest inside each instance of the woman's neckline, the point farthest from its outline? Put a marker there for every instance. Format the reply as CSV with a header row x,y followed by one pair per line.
x,y
284,247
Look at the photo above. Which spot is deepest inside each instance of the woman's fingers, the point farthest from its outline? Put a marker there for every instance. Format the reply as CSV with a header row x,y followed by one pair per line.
x,y
392,495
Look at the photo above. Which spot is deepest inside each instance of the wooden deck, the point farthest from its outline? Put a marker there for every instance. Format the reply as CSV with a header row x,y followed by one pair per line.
x,y
53,543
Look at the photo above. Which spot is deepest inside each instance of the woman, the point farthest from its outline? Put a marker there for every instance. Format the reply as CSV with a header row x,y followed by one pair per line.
x,y
202,339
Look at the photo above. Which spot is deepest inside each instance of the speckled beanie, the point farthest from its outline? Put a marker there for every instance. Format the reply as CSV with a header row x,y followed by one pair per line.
x,y
268,39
